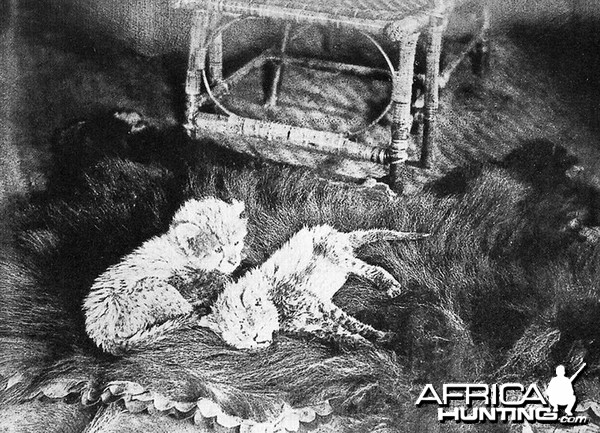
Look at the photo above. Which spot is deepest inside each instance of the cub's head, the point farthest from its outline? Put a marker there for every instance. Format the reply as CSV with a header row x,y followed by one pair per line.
x,y
211,233
244,314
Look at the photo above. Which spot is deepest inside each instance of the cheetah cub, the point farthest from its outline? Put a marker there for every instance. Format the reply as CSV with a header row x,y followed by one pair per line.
x,y
132,301
292,290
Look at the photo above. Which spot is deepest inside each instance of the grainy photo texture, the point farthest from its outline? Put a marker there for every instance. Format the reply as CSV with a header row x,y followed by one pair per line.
x,y
274,216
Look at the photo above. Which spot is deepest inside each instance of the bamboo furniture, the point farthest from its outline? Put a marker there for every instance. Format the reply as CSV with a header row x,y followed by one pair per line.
x,y
401,21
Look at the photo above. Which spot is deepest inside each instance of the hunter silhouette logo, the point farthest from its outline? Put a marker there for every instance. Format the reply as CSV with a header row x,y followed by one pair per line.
x,y
560,390
514,402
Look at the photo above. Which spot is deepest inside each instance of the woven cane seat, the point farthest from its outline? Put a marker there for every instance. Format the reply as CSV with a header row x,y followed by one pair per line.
x,y
394,16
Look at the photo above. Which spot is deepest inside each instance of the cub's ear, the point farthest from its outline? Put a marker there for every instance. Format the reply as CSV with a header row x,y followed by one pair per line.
x,y
184,234
207,322
238,206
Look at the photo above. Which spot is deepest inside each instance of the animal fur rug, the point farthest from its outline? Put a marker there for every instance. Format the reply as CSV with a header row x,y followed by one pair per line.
x,y
487,296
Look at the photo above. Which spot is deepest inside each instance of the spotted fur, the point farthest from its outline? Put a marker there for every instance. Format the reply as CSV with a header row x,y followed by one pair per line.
x,y
293,290
133,300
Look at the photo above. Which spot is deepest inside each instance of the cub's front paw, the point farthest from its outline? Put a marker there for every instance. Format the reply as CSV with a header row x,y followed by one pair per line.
x,y
386,338
394,290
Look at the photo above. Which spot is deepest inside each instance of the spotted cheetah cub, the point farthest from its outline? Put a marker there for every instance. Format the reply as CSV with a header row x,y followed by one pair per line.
x,y
132,301
292,290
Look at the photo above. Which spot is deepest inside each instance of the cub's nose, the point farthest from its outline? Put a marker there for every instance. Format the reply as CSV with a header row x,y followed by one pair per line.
x,y
227,266
261,343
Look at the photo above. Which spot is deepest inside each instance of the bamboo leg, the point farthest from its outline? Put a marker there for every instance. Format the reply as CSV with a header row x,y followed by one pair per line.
x,y
215,58
196,63
481,64
429,151
401,100
277,76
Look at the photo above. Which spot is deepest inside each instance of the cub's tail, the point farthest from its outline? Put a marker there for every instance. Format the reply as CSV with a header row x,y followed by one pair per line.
x,y
363,237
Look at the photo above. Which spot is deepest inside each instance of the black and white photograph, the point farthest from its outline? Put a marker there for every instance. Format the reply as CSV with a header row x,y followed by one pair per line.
x,y
273,216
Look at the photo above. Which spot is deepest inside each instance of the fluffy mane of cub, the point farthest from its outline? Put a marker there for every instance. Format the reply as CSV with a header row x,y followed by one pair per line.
x,y
133,300
292,290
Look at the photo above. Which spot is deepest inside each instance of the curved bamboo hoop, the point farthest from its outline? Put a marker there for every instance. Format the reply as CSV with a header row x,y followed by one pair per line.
x,y
228,112
389,105
212,96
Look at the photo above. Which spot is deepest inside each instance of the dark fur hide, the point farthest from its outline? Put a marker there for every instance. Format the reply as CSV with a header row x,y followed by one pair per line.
x,y
43,417
498,272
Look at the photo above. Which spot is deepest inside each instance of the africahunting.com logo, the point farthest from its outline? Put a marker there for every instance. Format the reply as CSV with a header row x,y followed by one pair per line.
x,y
508,402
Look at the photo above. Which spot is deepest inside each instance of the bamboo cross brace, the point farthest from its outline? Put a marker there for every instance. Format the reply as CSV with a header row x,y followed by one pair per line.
x,y
322,141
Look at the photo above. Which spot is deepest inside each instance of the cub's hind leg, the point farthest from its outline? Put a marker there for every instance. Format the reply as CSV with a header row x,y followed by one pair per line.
x,y
330,323
340,336
376,274
321,319
355,326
